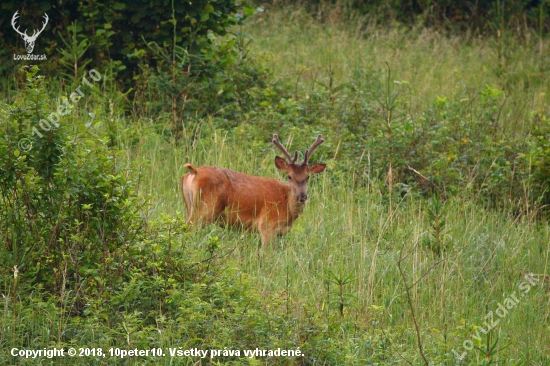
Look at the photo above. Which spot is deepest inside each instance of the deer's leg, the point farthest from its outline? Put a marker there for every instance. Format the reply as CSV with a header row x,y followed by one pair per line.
x,y
208,211
192,214
198,214
267,235
267,232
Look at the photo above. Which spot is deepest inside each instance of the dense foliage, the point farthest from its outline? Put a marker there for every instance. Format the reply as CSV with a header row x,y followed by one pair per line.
x,y
477,16
65,205
118,30
456,146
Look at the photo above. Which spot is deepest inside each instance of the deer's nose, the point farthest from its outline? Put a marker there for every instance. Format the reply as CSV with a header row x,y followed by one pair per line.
x,y
302,197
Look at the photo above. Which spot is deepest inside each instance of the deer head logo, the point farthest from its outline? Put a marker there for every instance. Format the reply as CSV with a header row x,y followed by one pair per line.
x,y
29,40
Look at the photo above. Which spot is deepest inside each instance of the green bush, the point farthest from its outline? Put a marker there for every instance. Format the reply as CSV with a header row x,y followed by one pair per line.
x,y
118,30
537,159
66,208
185,88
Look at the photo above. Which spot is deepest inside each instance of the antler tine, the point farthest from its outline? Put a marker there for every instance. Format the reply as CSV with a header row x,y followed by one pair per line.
x,y
46,18
36,33
13,20
312,148
283,150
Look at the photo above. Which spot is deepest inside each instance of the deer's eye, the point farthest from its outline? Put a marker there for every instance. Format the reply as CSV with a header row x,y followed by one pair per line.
x,y
289,177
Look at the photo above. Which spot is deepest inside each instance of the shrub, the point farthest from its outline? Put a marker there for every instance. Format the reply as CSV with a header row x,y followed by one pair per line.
x,y
67,210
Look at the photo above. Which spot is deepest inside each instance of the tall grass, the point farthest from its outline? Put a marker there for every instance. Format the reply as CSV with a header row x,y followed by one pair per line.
x,y
297,46
340,261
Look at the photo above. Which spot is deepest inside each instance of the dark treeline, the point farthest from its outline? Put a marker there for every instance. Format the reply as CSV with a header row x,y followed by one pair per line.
x,y
117,30
479,16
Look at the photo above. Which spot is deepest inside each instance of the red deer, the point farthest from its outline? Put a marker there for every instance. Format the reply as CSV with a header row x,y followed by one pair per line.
x,y
231,198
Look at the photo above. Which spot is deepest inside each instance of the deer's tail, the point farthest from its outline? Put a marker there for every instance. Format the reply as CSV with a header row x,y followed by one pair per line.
x,y
191,168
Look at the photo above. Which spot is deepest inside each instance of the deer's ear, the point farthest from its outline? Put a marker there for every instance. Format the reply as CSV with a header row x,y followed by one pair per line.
x,y
281,163
316,168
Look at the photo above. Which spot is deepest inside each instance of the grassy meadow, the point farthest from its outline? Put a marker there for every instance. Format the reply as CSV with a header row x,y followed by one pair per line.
x,y
299,47
375,271
344,250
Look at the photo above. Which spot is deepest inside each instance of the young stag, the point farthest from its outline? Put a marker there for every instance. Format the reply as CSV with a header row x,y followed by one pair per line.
x,y
231,198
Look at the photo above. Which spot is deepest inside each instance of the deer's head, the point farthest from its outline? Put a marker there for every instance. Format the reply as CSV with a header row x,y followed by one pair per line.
x,y
29,40
298,173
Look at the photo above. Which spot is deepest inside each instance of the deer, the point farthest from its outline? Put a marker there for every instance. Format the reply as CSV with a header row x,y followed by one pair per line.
x,y
29,40
230,198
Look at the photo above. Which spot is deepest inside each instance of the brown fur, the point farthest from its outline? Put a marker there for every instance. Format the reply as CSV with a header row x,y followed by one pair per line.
x,y
231,198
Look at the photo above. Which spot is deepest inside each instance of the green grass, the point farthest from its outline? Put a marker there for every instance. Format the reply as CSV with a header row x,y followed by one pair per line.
x,y
350,232
298,47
